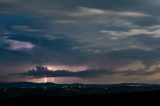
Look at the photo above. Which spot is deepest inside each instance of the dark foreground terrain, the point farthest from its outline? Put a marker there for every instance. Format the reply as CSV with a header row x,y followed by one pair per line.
x,y
111,95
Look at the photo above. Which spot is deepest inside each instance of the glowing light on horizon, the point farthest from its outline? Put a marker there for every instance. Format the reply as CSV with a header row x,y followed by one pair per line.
x,y
45,79
52,79
48,79
59,80
64,67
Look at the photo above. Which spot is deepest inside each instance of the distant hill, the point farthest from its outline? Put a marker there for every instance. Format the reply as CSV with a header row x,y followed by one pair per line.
x,y
118,87
118,94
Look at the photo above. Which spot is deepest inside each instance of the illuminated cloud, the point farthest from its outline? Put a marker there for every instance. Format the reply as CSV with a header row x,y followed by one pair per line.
x,y
19,45
66,73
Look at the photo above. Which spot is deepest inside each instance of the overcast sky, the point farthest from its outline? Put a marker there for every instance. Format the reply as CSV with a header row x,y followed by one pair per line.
x,y
120,36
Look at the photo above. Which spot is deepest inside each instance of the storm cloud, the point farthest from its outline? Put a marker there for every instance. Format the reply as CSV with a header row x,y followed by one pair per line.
x,y
121,37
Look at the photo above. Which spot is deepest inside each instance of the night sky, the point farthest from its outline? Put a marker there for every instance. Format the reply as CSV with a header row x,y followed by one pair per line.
x,y
111,41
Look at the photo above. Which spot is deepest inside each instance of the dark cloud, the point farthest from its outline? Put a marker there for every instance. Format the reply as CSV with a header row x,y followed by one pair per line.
x,y
65,73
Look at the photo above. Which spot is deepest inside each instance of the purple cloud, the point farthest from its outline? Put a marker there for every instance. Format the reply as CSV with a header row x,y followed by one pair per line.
x,y
19,45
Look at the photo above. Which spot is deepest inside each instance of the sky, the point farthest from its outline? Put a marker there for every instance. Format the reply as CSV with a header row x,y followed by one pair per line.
x,y
110,41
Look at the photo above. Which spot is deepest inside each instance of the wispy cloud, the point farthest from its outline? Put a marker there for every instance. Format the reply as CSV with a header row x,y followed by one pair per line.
x,y
66,21
26,28
86,11
152,31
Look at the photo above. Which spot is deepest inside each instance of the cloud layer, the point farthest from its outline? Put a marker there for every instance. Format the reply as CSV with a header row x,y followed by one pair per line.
x,y
121,37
